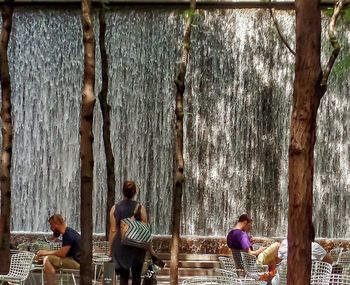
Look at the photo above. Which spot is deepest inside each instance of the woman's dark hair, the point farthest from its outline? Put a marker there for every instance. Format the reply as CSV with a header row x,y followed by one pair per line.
x,y
129,189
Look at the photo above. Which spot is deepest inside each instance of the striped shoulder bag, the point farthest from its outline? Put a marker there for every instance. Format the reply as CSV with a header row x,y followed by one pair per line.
x,y
134,232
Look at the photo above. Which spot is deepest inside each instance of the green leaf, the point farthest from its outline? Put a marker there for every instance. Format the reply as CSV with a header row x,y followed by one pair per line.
x,y
329,12
342,67
188,13
346,14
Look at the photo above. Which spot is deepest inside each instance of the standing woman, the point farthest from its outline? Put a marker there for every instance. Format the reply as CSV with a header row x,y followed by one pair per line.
x,y
124,256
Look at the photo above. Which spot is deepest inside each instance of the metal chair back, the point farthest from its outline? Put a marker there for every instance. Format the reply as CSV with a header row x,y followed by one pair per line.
x,y
237,258
227,263
209,280
337,279
226,273
344,258
20,266
251,268
282,272
320,273
334,253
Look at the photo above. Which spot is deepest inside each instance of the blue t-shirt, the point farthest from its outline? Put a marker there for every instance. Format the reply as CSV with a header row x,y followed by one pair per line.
x,y
72,238
238,239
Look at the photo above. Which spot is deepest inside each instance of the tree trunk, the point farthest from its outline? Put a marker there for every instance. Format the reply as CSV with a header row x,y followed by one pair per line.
x,y
105,108
179,160
306,99
86,140
5,175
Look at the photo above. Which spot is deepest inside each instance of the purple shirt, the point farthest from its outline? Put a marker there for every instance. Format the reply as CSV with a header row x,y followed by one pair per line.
x,y
238,239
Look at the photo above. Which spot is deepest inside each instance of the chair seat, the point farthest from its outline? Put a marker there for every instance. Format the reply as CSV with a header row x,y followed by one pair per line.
x,y
9,278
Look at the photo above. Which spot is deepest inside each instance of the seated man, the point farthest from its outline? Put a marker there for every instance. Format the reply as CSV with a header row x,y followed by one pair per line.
x,y
238,239
68,256
317,253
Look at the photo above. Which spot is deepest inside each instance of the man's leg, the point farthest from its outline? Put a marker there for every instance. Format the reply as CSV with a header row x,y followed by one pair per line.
x,y
269,256
49,270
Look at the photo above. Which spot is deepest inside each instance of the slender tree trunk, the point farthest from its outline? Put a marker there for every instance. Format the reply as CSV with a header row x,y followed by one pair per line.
x,y
306,99
106,108
179,160
5,175
86,140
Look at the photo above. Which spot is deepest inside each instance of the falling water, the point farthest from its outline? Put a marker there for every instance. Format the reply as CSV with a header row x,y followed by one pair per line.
x,y
237,116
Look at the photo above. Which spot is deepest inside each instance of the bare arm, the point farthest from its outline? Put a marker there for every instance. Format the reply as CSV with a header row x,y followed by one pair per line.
x,y
256,252
144,217
327,258
112,229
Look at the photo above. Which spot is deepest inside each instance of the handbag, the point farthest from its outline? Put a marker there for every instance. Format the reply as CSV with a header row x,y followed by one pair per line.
x,y
134,232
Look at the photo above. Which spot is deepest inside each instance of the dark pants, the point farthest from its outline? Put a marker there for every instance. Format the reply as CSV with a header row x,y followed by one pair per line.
x,y
136,269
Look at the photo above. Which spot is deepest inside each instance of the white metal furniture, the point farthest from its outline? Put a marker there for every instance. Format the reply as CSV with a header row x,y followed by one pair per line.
x,y
20,266
343,263
65,274
334,253
226,273
337,279
236,254
100,255
281,275
251,268
208,280
320,273
227,263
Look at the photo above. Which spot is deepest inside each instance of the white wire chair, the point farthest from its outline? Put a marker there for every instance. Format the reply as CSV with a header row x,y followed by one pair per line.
x,y
251,268
320,273
220,280
226,273
282,272
100,255
344,258
227,263
237,258
209,280
334,253
100,247
343,264
337,279
248,281
20,266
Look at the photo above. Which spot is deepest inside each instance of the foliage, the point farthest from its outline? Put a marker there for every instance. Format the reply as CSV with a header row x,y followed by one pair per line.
x,y
342,67
344,14
105,4
190,13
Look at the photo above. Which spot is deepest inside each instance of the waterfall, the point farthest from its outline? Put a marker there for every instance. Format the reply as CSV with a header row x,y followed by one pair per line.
x,y
237,115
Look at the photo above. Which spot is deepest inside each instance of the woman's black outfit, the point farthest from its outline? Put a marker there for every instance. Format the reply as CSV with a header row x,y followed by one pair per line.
x,y
126,257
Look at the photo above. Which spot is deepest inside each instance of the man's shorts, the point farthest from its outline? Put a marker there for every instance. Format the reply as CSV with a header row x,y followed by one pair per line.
x,y
63,262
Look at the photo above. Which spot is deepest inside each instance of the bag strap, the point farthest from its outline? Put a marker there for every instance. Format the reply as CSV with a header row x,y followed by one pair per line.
x,y
136,208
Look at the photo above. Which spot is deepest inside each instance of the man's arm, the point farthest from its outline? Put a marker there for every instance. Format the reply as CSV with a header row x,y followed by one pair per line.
x,y
255,252
327,258
62,252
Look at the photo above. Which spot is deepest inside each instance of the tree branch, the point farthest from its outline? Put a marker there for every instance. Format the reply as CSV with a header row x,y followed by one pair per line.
x,y
279,30
332,34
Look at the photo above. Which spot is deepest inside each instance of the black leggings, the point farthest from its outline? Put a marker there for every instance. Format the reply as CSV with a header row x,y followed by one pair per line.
x,y
136,269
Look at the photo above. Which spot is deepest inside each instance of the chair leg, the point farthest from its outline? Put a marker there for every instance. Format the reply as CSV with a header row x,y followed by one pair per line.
x,y
73,277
